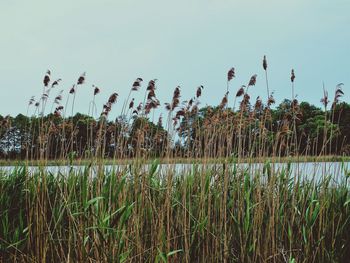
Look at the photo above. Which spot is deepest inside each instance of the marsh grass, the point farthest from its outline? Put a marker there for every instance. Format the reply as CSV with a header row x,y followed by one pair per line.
x,y
218,210
215,214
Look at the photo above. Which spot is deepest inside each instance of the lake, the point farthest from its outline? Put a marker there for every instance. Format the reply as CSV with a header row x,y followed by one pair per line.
x,y
305,170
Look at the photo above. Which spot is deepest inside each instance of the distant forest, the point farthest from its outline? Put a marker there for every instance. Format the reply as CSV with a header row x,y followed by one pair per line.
x,y
190,133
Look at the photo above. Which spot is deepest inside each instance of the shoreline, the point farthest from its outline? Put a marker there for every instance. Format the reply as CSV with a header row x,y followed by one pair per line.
x,y
299,159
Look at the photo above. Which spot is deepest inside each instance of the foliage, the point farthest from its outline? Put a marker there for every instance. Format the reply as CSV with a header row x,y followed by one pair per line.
x,y
204,214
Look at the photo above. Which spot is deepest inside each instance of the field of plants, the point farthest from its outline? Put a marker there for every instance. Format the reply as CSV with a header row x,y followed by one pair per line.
x,y
183,188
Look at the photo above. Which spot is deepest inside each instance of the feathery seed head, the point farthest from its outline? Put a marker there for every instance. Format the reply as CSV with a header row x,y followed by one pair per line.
x,y
55,83
72,90
47,78
252,80
240,92
264,63
292,76
137,84
96,90
231,74
81,79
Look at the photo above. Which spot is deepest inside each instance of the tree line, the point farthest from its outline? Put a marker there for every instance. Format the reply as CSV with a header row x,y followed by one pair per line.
x,y
291,128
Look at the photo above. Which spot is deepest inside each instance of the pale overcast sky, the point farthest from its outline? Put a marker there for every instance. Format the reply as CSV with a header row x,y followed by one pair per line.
x,y
187,43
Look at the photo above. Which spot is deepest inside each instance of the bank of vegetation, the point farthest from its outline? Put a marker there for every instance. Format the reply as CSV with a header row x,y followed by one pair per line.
x,y
215,210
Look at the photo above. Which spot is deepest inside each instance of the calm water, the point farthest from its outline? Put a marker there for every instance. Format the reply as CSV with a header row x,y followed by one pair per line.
x,y
309,170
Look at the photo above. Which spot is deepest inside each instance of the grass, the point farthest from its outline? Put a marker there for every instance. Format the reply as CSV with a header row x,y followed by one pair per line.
x,y
217,209
204,214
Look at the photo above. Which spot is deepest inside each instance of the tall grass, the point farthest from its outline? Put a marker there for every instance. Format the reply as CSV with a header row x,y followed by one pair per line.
x,y
221,208
206,213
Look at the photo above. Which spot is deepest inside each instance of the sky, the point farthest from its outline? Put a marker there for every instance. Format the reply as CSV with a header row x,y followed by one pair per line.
x,y
184,42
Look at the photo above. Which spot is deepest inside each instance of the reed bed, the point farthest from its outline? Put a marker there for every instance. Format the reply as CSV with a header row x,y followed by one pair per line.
x,y
205,214
217,209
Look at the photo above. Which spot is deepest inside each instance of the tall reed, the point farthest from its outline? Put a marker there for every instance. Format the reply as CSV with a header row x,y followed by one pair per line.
x,y
234,201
